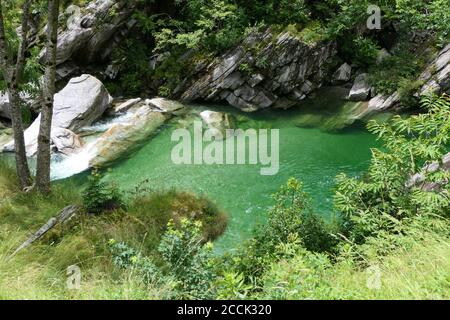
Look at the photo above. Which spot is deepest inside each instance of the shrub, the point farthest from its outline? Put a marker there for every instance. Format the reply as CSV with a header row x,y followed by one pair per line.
x,y
378,203
188,260
290,218
100,196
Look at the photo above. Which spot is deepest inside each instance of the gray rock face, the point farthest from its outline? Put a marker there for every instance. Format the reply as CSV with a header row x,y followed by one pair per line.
x,y
343,74
4,103
79,104
383,102
283,70
91,33
361,88
436,76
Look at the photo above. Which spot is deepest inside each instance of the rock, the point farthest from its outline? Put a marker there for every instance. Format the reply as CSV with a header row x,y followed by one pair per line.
x,y
382,54
218,122
5,135
124,106
79,104
92,31
361,88
418,179
4,106
255,80
165,105
383,102
290,65
343,74
65,141
4,103
436,77
121,138
245,92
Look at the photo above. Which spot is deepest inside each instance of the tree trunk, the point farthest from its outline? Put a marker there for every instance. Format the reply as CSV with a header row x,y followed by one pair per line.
x,y
43,154
12,77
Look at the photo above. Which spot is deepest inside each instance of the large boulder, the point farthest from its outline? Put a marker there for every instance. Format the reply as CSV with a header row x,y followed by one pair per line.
x,y
121,138
265,70
342,74
361,88
79,104
89,31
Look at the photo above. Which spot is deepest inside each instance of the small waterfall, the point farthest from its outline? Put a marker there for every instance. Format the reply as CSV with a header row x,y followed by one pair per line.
x,y
63,167
68,166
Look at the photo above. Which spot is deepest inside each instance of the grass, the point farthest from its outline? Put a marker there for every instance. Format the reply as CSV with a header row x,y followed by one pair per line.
x,y
39,272
418,268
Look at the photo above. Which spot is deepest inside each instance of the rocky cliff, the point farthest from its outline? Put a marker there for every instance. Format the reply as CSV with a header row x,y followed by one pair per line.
x,y
266,70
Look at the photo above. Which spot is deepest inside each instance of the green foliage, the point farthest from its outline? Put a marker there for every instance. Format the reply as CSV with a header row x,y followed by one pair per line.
x,y
100,196
188,259
212,25
290,219
379,202
126,257
231,285
398,71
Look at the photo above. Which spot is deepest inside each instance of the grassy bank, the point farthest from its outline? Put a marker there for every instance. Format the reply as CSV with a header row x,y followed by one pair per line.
x,y
39,272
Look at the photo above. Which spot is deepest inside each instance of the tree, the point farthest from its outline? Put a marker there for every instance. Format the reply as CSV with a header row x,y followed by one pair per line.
x,y
43,153
12,74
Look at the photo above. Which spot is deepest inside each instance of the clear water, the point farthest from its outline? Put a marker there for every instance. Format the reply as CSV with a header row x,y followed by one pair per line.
x,y
317,141
308,151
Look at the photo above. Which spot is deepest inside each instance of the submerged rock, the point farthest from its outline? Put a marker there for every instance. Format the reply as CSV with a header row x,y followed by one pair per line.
x,y
218,122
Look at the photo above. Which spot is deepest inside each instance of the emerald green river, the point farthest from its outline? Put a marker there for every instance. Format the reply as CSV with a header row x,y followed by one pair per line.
x,y
316,143
318,140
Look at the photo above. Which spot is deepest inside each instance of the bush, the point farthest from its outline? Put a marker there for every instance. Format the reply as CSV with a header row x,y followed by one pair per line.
x,y
378,203
100,196
188,260
290,218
